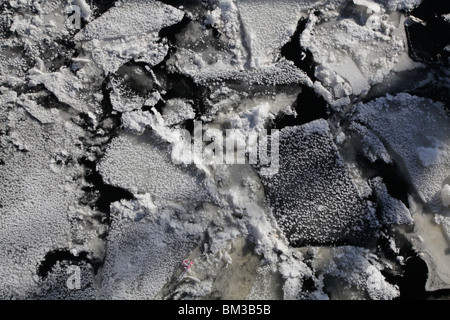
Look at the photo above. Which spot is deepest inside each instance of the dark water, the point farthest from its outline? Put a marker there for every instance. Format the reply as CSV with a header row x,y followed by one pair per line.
x,y
427,42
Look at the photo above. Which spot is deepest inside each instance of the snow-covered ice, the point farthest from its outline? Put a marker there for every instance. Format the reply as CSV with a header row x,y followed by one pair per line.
x,y
99,201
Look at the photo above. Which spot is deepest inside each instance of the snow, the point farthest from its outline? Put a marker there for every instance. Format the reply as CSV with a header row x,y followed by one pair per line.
x,y
268,26
39,209
141,165
312,197
135,210
417,130
354,52
393,211
128,30
130,18
359,268
253,119
177,111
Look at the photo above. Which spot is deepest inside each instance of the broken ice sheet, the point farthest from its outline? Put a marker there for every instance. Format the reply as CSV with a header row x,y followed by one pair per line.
x,y
355,48
142,165
268,25
128,30
312,196
416,130
40,187
142,256
357,268
137,62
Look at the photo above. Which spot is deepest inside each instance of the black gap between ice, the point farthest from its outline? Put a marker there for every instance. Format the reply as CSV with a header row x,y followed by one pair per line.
x,y
53,257
175,85
309,106
106,194
293,51
426,43
397,185
101,6
412,284
170,32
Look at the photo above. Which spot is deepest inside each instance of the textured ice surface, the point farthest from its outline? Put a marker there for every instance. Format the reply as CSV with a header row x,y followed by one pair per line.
x,y
358,268
312,197
37,209
141,164
128,31
90,178
417,130
354,49
131,18
141,256
393,211
268,25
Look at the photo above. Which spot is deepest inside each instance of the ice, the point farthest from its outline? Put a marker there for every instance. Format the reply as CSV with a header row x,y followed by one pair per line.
x,y
294,271
416,132
393,211
85,9
177,111
281,73
268,26
38,209
142,256
128,31
372,146
359,268
92,122
135,210
66,86
445,195
312,197
354,49
401,4
372,7
130,18
412,127
432,155
136,121
54,286
142,165
38,112
267,285
430,239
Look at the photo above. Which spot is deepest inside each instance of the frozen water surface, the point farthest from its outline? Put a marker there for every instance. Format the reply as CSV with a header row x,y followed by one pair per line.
x,y
97,201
